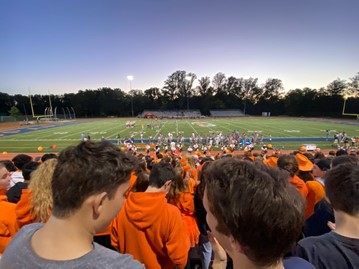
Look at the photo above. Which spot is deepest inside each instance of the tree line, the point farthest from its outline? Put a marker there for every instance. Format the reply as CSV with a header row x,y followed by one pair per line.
x,y
178,92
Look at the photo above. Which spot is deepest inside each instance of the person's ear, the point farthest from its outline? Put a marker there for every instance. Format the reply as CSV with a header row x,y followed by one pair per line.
x,y
97,204
167,185
236,246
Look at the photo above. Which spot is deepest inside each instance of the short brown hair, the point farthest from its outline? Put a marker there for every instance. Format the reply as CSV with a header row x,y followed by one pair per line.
x,y
288,163
342,188
87,169
259,209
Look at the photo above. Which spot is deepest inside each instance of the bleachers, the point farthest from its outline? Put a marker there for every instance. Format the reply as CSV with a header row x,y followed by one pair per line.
x,y
226,113
171,114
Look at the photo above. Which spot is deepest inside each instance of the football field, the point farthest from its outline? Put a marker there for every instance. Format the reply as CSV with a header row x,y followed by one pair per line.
x,y
282,133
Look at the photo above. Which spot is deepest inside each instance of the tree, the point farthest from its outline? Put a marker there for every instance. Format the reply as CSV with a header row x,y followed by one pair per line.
x,y
204,88
353,86
153,96
218,82
188,83
178,87
270,99
233,86
251,92
272,88
336,87
5,103
14,112
172,87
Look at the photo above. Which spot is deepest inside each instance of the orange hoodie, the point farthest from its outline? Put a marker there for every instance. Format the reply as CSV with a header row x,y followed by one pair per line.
x,y
300,185
185,203
8,223
316,193
151,230
22,209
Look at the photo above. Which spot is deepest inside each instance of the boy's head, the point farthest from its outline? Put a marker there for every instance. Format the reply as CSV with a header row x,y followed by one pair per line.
x,y
342,188
4,177
47,156
342,159
288,163
253,212
9,165
20,160
86,170
161,173
28,168
321,167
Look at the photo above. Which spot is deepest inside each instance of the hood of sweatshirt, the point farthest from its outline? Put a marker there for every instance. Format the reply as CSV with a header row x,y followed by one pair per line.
x,y
15,178
144,208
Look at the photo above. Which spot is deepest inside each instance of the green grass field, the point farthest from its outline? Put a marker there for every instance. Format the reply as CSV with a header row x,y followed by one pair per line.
x,y
64,134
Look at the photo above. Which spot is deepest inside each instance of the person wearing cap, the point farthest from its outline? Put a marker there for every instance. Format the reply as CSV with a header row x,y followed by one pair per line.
x,y
271,161
320,168
289,163
316,190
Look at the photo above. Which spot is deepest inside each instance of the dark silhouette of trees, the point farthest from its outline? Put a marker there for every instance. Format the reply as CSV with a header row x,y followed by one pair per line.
x,y
182,90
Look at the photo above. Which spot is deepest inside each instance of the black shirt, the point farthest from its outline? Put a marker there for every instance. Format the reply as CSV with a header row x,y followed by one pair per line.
x,y
330,251
14,193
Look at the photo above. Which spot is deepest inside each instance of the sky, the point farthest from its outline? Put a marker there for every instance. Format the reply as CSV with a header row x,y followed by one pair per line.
x,y
64,46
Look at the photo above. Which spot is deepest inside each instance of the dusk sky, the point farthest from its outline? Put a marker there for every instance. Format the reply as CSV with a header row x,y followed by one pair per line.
x,y
69,45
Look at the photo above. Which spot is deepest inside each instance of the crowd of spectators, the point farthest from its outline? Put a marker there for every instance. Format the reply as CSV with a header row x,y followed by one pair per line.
x,y
97,206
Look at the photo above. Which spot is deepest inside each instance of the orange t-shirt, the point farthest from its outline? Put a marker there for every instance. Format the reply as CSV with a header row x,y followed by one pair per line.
x,y
8,223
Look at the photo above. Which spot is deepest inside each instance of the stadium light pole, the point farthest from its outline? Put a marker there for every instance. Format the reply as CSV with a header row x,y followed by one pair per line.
x,y
130,78
345,101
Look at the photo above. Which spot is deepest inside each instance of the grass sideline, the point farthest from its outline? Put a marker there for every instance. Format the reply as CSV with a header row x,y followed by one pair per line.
x,y
27,139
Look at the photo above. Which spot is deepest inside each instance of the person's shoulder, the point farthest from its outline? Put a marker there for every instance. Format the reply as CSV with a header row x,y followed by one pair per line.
x,y
31,228
312,241
21,241
5,204
297,263
172,209
111,259
27,231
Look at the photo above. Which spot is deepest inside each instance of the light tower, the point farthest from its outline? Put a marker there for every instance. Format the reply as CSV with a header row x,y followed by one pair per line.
x,y
130,78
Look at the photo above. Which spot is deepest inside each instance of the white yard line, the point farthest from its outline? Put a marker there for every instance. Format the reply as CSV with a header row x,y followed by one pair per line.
x,y
190,124
160,129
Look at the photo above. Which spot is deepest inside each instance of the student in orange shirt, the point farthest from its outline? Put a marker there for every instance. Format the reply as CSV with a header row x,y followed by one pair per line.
x,y
149,228
316,190
181,194
5,177
88,187
35,204
8,224
289,163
